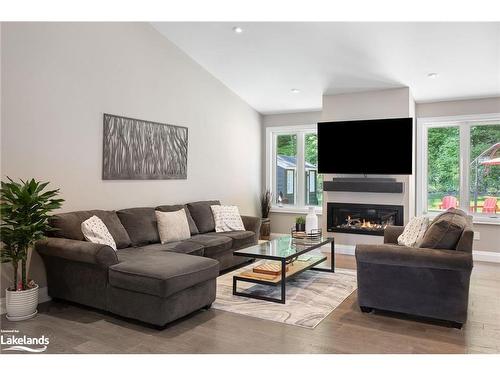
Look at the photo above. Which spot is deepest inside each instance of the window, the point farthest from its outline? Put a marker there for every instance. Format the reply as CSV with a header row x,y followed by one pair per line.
x,y
460,165
291,170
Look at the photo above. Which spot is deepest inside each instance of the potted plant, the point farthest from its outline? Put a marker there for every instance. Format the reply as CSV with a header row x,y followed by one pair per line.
x,y
300,224
24,210
265,206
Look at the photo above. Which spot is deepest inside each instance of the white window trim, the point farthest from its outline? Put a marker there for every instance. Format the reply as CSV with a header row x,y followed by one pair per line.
x,y
464,123
271,132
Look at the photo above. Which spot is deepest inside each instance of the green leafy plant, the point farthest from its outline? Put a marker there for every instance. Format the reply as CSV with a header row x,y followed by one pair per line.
x,y
265,203
300,220
24,210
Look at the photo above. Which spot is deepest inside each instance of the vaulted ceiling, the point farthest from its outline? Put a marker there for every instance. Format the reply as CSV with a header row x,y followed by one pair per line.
x,y
266,61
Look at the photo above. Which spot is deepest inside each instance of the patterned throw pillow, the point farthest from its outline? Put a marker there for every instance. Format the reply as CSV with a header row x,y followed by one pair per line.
x,y
94,230
414,231
173,226
227,218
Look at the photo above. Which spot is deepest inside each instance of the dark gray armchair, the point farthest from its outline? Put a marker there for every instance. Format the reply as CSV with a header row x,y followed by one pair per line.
x,y
424,282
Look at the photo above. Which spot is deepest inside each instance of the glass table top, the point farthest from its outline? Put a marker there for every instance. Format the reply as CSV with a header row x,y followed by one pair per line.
x,y
283,247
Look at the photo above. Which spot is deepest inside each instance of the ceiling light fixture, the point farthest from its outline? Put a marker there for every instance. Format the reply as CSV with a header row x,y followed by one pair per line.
x,y
237,30
432,75
295,91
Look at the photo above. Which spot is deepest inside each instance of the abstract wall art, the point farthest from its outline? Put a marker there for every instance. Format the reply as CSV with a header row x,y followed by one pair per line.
x,y
143,150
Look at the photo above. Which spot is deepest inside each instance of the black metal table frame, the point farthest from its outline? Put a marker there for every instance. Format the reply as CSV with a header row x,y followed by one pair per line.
x,y
283,271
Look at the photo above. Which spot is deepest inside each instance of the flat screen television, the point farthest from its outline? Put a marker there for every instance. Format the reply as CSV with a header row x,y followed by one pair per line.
x,y
366,147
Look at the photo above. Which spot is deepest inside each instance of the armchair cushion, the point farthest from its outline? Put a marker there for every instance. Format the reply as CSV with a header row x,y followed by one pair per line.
x,y
445,230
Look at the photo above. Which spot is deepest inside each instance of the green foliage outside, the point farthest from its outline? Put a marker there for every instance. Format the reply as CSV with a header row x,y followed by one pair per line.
x,y
443,168
287,146
443,172
488,177
311,148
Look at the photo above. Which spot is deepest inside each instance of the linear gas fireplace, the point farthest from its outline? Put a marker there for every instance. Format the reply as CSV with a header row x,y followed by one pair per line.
x,y
362,218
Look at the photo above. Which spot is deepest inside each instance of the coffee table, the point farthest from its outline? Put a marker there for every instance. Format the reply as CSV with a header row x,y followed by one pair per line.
x,y
289,252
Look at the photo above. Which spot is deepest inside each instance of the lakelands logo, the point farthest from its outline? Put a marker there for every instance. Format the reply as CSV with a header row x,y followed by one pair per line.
x,y
23,343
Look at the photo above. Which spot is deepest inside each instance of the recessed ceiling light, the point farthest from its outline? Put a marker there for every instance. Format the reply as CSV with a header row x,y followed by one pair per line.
x,y
432,75
295,91
237,30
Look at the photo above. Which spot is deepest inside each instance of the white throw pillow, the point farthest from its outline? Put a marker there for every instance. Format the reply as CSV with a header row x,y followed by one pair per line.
x,y
173,226
414,231
227,218
94,230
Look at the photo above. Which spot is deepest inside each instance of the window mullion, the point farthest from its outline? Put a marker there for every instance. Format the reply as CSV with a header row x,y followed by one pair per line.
x,y
464,166
300,169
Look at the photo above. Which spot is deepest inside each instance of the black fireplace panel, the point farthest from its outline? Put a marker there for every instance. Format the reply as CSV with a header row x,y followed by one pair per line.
x,y
362,218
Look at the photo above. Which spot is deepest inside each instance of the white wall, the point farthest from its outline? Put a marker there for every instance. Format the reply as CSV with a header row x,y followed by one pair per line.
x,y
59,78
459,107
489,234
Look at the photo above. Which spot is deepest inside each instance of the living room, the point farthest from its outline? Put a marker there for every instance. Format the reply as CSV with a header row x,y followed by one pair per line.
x,y
250,187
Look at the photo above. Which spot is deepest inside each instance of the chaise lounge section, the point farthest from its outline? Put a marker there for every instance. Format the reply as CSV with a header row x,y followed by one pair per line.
x,y
144,279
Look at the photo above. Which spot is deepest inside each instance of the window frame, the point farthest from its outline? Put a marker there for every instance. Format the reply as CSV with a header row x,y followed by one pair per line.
x,y
300,189
464,124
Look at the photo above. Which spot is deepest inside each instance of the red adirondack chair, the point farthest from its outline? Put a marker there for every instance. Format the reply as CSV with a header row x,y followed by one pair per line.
x,y
448,201
490,205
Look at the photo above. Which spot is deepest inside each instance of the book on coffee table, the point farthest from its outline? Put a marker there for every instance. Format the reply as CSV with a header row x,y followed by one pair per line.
x,y
269,268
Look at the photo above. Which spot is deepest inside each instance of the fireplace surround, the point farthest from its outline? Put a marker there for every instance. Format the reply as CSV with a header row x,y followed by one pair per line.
x,y
358,218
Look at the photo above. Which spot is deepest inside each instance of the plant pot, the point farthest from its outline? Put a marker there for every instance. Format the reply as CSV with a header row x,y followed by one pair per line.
x,y
265,229
22,304
300,227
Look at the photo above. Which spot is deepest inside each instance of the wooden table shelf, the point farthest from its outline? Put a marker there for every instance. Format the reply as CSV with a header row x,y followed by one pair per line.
x,y
294,269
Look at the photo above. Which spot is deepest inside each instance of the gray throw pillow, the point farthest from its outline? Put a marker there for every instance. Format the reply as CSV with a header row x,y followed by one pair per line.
x,y
140,223
445,230
201,212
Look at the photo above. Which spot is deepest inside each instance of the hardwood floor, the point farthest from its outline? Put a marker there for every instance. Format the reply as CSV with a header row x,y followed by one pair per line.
x,y
75,329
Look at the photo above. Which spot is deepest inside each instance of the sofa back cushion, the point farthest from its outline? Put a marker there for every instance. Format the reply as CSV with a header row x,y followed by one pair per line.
x,y
69,225
140,223
202,215
445,230
176,207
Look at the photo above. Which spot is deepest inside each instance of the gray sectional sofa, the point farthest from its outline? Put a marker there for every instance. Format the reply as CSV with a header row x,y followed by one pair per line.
x,y
144,279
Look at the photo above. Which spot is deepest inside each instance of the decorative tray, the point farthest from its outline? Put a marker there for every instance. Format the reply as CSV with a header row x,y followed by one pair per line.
x,y
313,235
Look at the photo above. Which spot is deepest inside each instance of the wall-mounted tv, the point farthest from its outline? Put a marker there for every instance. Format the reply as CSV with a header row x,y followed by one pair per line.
x,y
366,147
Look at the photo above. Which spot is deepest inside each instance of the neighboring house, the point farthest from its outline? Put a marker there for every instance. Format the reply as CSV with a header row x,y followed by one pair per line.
x,y
286,179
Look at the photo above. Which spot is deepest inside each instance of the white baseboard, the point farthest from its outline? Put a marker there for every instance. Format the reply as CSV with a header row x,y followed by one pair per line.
x,y
344,249
486,256
43,296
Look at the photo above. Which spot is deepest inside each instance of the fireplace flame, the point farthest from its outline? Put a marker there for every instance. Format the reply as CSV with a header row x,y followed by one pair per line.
x,y
366,224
